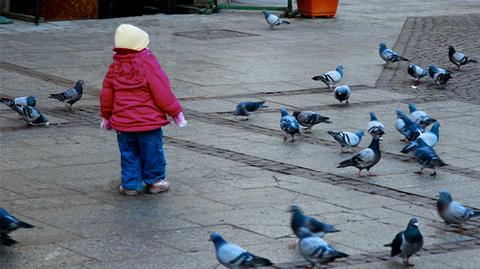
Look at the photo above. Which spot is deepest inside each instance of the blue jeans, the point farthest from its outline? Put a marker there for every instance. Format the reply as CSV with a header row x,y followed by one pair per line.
x,y
142,158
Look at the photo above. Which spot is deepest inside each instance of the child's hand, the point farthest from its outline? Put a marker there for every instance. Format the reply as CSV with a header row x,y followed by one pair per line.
x,y
180,120
105,124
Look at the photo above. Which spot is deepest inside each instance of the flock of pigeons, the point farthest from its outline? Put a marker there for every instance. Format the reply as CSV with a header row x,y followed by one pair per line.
x,y
315,249
310,231
25,106
412,127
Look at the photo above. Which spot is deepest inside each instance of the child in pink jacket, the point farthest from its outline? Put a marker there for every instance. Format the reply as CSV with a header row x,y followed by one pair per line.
x,y
135,99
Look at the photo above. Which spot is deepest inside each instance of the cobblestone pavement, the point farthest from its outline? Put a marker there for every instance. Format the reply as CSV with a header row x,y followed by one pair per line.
x,y
238,177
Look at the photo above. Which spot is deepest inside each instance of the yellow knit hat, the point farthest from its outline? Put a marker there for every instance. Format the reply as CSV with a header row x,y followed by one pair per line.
x,y
128,36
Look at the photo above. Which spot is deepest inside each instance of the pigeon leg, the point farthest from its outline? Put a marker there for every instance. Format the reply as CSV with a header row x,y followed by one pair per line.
x,y
284,138
293,138
419,172
458,68
434,174
359,173
272,27
308,129
407,263
371,174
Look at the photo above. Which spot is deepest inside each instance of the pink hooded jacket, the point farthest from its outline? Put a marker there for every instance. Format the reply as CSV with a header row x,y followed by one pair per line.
x,y
136,93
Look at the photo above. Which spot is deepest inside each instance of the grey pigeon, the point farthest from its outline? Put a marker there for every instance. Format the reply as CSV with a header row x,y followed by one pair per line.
x,y
309,118
331,78
427,158
233,256
342,93
388,55
419,117
31,115
430,138
452,212
300,220
288,124
246,108
407,243
407,127
365,159
22,100
416,72
458,58
70,96
316,250
375,127
8,224
439,75
347,140
273,20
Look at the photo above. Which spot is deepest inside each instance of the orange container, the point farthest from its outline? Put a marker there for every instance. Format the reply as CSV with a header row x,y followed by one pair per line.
x,y
317,8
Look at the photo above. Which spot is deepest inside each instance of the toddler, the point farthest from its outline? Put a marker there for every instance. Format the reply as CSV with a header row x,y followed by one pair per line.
x,y
135,99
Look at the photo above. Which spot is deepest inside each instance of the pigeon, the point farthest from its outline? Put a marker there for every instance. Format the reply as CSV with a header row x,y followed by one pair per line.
x,y
390,56
452,212
458,58
420,117
342,93
309,118
273,20
70,96
23,100
407,127
416,72
299,220
375,127
439,75
31,115
288,124
331,78
427,158
316,250
233,256
246,108
365,159
346,139
9,223
407,243
430,138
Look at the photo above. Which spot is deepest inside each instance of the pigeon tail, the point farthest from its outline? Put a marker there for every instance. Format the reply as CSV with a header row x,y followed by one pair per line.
x,y
58,96
401,58
476,213
437,163
259,261
22,224
284,21
472,61
346,163
322,78
6,240
339,254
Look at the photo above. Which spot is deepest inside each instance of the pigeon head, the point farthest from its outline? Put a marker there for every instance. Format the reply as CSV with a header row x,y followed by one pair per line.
x,y
295,209
359,133
451,49
382,46
444,197
284,112
240,111
295,113
340,69
412,107
304,232
266,13
412,224
31,101
217,239
373,116
79,86
435,128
